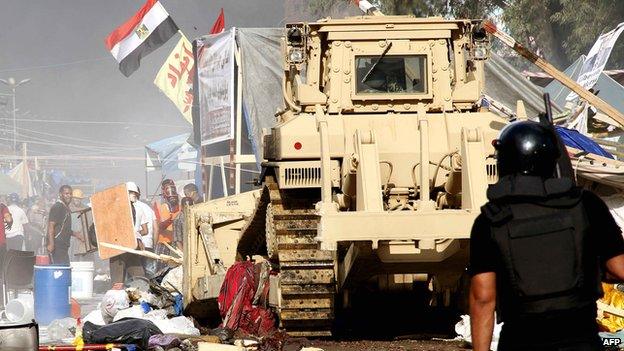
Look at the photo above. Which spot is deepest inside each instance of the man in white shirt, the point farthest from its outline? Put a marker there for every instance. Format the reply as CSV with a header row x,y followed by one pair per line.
x,y
15,235
148,216
145,215
128,264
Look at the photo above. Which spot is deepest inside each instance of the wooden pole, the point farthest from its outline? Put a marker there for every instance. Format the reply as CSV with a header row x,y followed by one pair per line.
x,y
148,254
239,118
555,73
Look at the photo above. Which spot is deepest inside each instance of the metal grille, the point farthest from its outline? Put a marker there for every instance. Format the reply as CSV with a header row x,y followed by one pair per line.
x,y
302,176
491,170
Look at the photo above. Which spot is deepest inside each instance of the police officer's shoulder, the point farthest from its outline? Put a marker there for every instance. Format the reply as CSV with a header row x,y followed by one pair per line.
x,y
494,212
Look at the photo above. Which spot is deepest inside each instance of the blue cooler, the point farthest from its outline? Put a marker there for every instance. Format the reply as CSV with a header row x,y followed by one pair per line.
x,y
52,293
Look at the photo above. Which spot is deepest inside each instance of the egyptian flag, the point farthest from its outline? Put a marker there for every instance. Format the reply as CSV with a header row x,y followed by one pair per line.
x,y
145,32
219,25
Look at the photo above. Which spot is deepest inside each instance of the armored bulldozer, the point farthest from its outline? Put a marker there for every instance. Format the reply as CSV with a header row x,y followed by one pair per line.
x,y
375,169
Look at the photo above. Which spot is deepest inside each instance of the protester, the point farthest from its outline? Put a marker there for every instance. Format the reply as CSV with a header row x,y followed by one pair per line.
x,y
191,191
35,232
129,265
148,214
167,211
59,227
15,235
537,248
178,224
7,224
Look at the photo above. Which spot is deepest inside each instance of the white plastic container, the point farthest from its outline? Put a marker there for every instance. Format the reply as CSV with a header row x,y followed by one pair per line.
x,y
20,310
82,280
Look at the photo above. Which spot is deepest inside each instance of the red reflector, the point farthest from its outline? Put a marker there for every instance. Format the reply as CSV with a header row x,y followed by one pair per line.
x,y
298,146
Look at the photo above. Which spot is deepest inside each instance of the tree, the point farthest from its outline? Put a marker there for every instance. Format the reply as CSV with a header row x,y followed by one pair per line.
x,y
566,29
420,8
560,30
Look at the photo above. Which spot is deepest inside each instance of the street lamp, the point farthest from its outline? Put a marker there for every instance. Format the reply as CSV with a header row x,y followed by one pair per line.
x,y
12,84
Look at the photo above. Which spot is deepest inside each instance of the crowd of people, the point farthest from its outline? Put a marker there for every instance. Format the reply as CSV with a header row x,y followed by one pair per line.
x,y
47,227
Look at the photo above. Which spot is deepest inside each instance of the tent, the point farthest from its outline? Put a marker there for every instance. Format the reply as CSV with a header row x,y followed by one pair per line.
x,y
8,185
609,90
21,175
171,154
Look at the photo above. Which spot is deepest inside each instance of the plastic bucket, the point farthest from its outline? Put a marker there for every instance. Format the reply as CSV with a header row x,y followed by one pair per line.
x,y
82,280
52,293
20,310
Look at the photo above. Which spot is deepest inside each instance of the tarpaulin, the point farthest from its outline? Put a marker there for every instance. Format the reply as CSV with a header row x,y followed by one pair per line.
x,y
575,139
236,301
171,154
263,69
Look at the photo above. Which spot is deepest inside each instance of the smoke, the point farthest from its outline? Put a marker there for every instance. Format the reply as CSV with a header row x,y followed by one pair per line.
x,y
59,45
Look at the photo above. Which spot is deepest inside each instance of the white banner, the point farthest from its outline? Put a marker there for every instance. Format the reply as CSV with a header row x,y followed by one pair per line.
x,y
596,59
215,70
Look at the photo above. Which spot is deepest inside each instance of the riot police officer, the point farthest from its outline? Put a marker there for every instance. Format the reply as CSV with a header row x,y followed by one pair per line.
x,y
537,250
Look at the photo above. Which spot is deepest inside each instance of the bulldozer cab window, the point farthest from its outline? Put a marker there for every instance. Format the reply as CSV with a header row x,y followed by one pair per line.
x,y
391,74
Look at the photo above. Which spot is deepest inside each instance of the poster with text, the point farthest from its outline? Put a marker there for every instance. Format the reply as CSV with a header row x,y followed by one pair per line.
x,y
215,72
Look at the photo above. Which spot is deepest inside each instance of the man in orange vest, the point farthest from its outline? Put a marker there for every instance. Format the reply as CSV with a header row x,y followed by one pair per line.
x,y
167,211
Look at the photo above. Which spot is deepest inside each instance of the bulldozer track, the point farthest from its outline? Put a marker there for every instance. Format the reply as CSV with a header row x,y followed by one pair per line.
x,y
307,273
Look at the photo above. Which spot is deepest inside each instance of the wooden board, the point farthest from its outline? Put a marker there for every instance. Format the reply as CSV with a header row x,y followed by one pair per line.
x,y
112,216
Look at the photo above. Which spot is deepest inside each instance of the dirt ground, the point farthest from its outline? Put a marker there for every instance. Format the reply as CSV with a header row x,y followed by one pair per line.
x,y
394,322
397,345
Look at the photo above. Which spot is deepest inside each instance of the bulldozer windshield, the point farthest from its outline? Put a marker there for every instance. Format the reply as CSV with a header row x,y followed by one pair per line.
x,y
392,74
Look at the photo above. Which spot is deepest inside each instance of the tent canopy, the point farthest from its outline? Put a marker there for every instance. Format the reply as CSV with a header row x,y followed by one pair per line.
x,y
609,90
8,185
167,154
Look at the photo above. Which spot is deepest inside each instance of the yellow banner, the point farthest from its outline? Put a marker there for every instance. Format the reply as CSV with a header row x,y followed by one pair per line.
x,y
175,78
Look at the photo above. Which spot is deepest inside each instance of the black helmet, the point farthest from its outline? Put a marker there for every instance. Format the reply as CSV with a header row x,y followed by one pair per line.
x,y
528,148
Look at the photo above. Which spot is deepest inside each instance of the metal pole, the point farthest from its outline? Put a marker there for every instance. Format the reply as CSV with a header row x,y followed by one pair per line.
x,y
14,123
146,176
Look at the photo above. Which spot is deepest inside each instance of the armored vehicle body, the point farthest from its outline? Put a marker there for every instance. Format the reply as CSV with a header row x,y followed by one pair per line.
x,y
374,171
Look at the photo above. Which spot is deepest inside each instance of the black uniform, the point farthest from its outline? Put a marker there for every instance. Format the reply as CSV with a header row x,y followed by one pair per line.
x,y
546,241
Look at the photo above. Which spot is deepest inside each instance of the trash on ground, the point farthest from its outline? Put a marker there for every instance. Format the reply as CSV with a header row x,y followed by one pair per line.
x,y
462,328
131,312
127,331
113,301
62,329
205,346
172,281
177,325
243,300
164,341
611,309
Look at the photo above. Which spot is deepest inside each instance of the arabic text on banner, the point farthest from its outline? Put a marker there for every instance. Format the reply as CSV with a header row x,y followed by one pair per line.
x,y
215,70
175,78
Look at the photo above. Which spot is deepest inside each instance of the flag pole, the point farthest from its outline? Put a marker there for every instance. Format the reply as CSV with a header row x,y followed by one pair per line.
x,y
182,34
